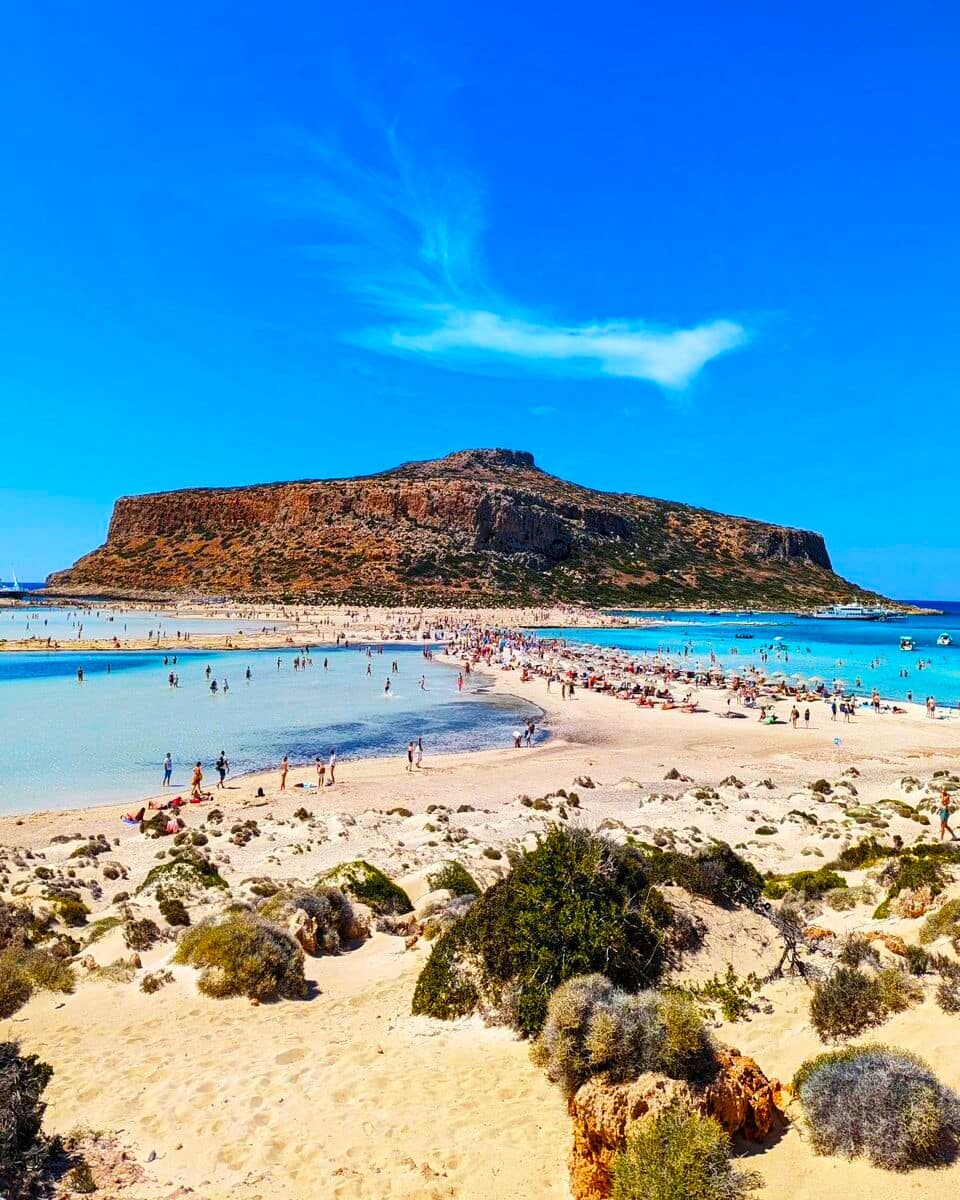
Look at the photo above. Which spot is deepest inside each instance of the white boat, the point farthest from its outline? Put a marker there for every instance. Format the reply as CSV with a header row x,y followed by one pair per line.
x,y
906,643
854,612
944,640
10,587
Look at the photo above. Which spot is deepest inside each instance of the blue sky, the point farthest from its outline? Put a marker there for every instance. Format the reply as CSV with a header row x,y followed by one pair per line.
x,y
708,254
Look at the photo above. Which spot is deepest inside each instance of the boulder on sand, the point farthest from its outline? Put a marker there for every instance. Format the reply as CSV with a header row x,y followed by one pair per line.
x,y
740,1097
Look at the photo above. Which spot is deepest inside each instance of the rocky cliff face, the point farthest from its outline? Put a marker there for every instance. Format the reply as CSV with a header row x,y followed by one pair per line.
x,y
478,525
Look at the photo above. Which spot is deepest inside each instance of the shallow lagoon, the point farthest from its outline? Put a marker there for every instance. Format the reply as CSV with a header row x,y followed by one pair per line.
x,y
65,744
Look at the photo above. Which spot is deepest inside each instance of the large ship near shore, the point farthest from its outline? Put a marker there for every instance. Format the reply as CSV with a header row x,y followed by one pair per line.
x,y
855,612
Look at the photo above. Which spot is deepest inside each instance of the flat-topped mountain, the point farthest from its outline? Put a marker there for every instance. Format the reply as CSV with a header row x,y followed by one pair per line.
x,y
476,526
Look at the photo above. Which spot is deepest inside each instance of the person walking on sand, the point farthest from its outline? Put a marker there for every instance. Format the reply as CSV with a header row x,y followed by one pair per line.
x,y
332,767
806,718
284,768
196,781
419,760
167,769
944,814
321,772
409,756
222,768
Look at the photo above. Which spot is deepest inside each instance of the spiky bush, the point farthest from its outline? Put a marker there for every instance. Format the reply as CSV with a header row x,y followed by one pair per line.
x,y
140,935
366,884
23,1149
328,906
454,877
898,990
856,951
243,955
881,1103
678,1155
592,1026
576,904
845,1003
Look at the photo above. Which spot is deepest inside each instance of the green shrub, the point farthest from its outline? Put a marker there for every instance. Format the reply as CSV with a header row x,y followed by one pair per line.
x,y
23,1149
844,899
918,961
809,884
917,872
898,990
81,1179
592,1026
851,1000
19,926
368,885
678,1155
943,922
243,955
845,1003
877,1102
140,935
43,969
454,877
73,913
187,872
856,951
327,906
728,992
100,928
865,853
715,872
174,911
153,981
15,987
575,905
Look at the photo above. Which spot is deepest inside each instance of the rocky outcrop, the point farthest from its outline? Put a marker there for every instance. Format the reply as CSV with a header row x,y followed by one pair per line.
x,y
478,525
740,1097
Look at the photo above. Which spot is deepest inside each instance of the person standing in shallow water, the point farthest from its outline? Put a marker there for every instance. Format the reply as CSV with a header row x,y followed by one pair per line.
x,y
167,769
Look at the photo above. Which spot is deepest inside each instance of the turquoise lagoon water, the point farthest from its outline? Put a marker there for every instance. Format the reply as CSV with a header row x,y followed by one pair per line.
x,y
846,650
65,744
77,625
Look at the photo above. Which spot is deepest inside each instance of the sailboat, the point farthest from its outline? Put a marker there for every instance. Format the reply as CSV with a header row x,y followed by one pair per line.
x,y
10,587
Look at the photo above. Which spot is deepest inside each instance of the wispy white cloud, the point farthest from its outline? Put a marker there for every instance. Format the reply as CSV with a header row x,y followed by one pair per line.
x,y
406,242
542,410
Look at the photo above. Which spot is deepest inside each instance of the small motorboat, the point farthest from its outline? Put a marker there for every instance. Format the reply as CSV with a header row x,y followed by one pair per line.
x,y
944,640
906,643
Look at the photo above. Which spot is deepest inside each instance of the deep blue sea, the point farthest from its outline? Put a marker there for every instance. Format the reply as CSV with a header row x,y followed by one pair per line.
x,y
851,651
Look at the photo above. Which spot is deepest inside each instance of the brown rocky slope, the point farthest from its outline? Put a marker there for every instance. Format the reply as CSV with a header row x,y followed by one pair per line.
x,y
476,526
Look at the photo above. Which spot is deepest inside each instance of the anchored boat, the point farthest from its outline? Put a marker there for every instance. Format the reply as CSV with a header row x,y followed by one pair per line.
x,y
944,640
906,643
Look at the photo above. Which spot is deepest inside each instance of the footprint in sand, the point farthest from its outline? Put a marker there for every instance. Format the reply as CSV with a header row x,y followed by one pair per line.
x,y
289,1056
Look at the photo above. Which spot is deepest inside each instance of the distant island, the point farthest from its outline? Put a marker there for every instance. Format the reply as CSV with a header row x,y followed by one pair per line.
x,y
474,527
